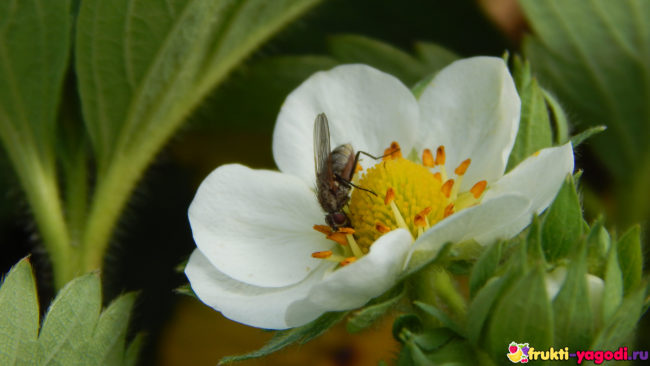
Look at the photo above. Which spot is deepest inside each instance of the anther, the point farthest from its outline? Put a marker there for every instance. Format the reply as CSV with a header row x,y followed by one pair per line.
x,y
440,155
346,230
438,176
478,188
393,152
419,221
322,254
427,159
449,210
382,228
462,168
338,237
347,261
323,229
446,187
390,196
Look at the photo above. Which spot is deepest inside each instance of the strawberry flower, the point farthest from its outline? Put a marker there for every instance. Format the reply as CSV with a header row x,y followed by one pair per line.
x,y
259,260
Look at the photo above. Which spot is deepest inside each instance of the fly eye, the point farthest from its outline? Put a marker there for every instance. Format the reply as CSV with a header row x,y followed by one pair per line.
x,y
339,218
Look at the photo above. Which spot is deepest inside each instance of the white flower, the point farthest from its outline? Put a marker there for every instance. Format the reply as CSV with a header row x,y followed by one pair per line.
x,y
254,228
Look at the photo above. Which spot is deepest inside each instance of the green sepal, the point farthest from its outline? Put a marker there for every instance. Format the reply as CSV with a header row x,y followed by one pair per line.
x,y
362,319
442,317
284,338
613,292
630,257
623,322
534,131
579,138
562,226
522,312
485,267
574,324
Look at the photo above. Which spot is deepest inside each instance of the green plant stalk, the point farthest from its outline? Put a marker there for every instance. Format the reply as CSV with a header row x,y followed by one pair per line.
x,y
43,196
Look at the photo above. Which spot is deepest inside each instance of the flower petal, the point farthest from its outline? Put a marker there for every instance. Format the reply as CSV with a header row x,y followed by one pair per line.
x,y
256,225
472,108
355,284
538,178
263,307
364,106
471,223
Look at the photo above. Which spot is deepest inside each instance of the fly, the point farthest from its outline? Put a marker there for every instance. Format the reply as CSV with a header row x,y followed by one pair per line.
x,y
334,172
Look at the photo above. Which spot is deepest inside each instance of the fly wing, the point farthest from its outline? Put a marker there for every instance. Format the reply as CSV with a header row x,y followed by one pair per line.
x,y
322,150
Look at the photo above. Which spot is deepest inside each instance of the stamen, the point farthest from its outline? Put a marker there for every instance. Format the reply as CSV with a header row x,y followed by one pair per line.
x,y
478,189
427,159
446,188
323,229
393,152
382,228
419,221
322,254
438,176
390,199
347,261
462,168
449,210
338,237
425,213
354,246
440,155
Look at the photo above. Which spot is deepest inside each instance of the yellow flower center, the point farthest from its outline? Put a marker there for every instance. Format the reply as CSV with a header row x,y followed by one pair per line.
x,y
412,195
415,189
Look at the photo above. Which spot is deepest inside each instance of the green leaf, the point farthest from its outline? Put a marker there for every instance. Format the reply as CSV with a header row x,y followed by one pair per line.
x,y
594,56
630,257
485,267
133,351
107,346
622,324
18,316
73,332
352,48
143,66
70,321
523,313
562,226
287,337
34,48
363,318
613,292
534,131
573,317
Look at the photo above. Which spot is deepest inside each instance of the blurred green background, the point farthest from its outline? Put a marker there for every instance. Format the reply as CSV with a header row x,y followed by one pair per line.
x,y
234,124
